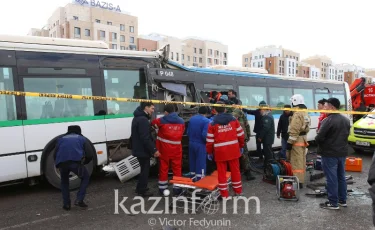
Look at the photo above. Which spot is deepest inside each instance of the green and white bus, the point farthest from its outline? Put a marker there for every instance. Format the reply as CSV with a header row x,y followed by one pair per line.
x,y
64,66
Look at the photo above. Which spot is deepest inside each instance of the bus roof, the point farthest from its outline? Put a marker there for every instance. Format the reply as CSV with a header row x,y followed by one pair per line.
x,y
63,45
239,69
247,74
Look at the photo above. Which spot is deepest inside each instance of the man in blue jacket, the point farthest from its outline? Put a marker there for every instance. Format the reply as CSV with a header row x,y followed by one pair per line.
x,y
72,152
197,133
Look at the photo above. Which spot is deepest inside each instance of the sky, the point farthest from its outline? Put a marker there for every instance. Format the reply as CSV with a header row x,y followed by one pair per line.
x,y
337,29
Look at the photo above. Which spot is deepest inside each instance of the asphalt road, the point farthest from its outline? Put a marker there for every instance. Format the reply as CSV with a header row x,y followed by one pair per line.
x,y
40,207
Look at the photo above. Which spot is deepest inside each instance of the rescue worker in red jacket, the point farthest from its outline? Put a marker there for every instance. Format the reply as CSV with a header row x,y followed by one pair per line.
x,y
171,127
214,97
226,139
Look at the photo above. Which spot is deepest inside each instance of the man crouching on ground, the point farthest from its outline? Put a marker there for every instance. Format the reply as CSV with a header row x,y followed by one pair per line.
x,y
225,138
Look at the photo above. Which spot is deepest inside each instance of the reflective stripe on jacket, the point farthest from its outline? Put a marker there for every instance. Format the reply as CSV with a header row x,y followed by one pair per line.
x,y
171,129
225,137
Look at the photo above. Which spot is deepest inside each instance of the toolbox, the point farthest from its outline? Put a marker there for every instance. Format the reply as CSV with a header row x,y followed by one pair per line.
x,y
353,164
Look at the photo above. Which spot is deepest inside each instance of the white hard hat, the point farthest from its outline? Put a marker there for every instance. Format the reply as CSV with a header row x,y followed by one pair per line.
x,y
297,99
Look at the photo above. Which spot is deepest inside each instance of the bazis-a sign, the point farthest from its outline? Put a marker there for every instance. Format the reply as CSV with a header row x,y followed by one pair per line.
x,y
99,4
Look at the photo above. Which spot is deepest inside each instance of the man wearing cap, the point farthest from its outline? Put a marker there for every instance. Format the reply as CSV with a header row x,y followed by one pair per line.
x,y
73,151
299,126
332,140
257,126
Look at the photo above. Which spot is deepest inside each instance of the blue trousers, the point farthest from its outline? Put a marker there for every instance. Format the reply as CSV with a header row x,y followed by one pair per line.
x,y
81,172
284,143
197,159
334,170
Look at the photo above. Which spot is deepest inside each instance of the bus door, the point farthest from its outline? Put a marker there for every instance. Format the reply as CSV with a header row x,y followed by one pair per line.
x,y
12,151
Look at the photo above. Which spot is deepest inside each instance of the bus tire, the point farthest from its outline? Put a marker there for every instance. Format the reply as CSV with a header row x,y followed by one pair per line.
x,y
52,174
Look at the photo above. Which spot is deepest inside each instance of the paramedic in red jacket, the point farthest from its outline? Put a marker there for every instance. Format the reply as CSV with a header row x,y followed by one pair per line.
x,y
225,141
171,127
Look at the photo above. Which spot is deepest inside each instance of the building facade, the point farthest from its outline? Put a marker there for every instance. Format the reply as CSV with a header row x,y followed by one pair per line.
x,y
323,63
276,60
191,51
92,20
349,72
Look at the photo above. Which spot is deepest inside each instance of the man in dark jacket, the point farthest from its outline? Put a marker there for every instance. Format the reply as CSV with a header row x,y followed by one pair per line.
x,y
266,136
282,128
332,139
232,95
257,126
72,153
143,146
371,180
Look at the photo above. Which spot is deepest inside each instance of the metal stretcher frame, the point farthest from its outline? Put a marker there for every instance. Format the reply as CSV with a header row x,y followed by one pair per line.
x,y
209,190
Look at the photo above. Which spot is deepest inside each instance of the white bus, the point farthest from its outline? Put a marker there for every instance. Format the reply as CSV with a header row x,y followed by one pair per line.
x,y
65,66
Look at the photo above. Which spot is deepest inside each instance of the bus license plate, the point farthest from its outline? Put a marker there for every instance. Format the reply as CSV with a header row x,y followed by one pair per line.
x,y
362,143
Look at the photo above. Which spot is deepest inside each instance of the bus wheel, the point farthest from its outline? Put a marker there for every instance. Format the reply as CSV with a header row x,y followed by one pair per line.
x,y
52,173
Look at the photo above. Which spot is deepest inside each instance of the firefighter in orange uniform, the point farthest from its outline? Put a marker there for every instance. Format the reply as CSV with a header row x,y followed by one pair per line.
x,y
171,127
299,127
225,140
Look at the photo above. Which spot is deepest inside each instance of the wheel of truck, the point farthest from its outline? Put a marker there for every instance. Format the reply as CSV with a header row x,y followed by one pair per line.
x,y
52,173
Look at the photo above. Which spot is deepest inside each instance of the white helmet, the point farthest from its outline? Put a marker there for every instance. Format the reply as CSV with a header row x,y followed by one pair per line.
x,y
297,99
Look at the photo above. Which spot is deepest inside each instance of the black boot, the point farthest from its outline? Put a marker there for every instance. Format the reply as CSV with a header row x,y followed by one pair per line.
x,y
66,207
80,204
249,176
300,185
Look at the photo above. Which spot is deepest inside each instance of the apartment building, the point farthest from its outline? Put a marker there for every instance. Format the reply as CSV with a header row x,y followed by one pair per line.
x,y
349,72
145,44
191,51
93,20
276,60
370,72
323,63
204,53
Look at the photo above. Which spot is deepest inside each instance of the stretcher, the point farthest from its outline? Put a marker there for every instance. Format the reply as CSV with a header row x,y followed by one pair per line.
x,y
205,190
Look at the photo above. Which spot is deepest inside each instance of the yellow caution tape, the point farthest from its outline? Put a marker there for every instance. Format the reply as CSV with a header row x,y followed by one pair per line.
x,y
100,98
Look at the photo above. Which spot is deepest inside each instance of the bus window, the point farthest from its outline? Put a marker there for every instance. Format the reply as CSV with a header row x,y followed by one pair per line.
x,y
124,84
43,107
280,97
319,97
218,87
308,96
342,101
7,102
252,96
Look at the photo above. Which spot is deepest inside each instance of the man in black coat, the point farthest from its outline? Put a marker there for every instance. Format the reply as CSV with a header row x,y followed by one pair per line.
x,y
282,128
143,145
332,140
266,135
257,126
